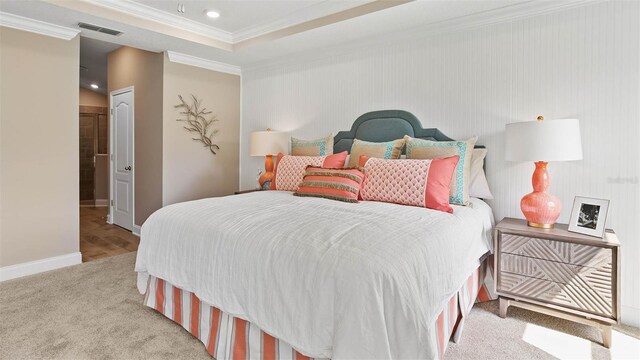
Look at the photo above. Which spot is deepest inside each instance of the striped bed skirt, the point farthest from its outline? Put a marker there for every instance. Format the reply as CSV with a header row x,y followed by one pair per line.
x,y
229,337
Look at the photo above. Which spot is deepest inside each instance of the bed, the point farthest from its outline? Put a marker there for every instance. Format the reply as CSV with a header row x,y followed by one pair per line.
x,y
270,275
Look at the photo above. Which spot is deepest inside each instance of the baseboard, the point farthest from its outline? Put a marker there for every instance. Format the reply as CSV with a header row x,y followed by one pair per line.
x,y
136,230
630,316
102,202
109,221
38,266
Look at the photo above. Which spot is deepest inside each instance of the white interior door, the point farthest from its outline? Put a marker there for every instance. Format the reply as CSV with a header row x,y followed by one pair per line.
x,y
122,158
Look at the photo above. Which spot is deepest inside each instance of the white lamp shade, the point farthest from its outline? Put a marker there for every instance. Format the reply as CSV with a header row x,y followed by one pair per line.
x,y
545,140
269,142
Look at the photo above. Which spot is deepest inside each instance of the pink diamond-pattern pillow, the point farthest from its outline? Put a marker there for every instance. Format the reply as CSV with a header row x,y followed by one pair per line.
x,y
424,183
290,169
399,181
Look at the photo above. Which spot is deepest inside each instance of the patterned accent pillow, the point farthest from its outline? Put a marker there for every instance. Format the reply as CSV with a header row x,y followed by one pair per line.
x,y
382,150
317,147
427,149
335,184
290,169
423,183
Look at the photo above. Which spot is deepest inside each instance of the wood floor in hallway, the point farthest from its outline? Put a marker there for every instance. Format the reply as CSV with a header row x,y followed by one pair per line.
x,y
99,239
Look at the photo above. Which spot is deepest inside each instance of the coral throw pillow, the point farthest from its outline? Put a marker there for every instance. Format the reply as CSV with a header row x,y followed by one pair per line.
x,y
290,169
423,183
328,183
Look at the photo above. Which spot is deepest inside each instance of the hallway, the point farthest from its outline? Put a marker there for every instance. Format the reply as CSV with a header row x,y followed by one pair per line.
x,y
99,239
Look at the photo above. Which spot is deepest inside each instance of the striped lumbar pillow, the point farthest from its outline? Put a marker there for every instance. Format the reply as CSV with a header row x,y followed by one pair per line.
x,y
290,169
331,183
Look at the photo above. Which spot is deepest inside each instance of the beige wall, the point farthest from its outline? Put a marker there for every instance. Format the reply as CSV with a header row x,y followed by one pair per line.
x,y
92,98
191,171
38,146
142,70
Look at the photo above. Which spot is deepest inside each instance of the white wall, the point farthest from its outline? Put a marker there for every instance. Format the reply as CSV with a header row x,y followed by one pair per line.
x,y
581,62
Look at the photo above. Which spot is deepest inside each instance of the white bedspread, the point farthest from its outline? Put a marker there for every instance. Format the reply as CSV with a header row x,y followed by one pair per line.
x,y
335,280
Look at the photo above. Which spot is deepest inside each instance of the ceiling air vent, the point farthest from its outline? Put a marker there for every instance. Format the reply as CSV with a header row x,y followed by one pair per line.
x,y
101,29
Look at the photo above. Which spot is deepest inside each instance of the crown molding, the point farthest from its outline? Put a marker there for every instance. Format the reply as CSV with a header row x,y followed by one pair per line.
x,y
506,14
300,16
306,14
37,26
150,13
185,59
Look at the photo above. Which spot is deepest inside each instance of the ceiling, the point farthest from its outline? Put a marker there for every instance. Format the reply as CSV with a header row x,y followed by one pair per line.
x,y
241,15
250,33
93,57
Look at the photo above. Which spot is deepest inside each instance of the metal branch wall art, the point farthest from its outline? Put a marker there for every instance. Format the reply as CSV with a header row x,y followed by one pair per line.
x,y
198,120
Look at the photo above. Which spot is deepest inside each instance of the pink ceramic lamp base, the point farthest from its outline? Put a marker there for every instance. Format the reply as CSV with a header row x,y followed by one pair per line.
x,y
540,208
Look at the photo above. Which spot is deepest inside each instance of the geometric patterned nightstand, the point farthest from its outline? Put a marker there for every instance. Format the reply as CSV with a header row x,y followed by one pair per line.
x,y
558,273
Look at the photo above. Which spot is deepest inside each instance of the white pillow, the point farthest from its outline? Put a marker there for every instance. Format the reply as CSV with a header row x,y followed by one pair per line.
x,y
479,187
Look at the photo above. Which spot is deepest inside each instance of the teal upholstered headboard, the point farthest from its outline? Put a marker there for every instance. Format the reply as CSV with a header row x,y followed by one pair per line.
x,y
385,125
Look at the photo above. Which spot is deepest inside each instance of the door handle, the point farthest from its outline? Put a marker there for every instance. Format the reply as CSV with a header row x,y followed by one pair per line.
x,y
128,168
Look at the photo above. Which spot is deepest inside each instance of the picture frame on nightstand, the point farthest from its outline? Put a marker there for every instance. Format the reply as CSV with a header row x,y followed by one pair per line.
x,y
589,216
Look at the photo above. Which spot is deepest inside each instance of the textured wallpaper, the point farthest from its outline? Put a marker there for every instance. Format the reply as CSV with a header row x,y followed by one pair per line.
x,y
581,62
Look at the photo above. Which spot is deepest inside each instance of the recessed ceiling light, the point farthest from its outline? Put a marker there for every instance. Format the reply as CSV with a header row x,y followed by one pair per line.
x,y
212,14
95,86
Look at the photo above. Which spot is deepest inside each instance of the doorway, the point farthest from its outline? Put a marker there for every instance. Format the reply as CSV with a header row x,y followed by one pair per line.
x,y
94,190
99,237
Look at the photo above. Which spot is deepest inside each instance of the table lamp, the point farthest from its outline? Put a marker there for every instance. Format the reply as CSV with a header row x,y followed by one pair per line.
x,y
542,141
268,143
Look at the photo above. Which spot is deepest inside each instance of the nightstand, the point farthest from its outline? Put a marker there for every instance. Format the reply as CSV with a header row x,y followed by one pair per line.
x,y
246,191
558,273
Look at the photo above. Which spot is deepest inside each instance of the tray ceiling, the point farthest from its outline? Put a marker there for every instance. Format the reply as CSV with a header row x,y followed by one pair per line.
x,y
237,16
251,32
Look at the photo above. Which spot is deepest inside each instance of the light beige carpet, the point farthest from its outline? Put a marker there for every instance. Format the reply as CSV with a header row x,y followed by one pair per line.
x,y
93,311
